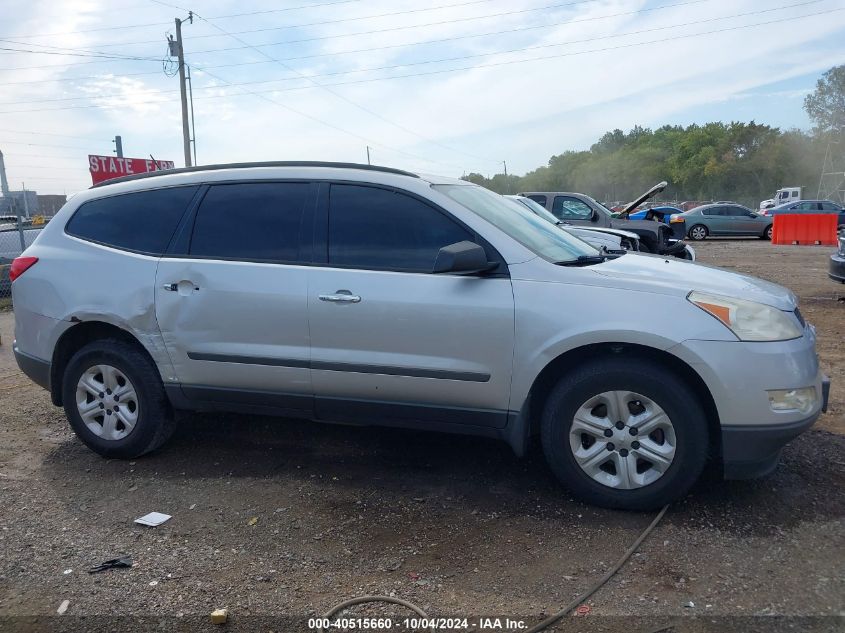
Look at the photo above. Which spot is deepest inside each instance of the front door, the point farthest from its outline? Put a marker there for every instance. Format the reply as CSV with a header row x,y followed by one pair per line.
x,y
390,341
232,304
572,210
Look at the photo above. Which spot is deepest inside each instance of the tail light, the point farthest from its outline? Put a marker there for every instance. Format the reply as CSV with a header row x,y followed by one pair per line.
x,y
20,265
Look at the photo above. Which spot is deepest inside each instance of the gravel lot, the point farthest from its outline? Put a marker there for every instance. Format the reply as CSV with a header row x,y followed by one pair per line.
x,y
280,519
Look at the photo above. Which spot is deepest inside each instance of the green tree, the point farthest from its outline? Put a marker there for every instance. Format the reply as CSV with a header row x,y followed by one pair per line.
x,y
826,104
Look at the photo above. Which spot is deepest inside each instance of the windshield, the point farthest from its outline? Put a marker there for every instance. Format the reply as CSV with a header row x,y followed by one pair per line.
x,y
536,207
533,232
601,206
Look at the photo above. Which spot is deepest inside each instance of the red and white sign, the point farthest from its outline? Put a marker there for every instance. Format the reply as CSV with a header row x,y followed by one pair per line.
x,y
108,167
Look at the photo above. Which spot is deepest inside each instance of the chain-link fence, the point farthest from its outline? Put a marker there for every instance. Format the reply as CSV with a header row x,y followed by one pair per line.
x,y
13,240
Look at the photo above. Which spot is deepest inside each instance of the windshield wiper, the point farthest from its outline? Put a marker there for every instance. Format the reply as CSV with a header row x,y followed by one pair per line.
x,y
586,260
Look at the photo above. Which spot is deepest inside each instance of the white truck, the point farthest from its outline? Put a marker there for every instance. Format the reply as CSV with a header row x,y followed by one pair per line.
x,y
782,196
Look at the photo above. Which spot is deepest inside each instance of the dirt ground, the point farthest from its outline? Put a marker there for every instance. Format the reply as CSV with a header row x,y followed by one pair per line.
x,y
278,520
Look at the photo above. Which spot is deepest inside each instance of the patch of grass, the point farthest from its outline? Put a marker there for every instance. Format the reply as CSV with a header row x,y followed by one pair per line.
x,y
5,304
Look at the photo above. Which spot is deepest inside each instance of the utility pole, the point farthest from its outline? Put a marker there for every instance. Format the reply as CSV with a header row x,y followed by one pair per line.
x,y
183,91
507,184
368,155
118,146
20,220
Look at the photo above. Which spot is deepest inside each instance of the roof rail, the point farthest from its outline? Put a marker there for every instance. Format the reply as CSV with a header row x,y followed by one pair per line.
x,y
279,163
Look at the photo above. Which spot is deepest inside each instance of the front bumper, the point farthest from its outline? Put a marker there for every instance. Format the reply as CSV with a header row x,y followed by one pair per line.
x,y
753,451
836,269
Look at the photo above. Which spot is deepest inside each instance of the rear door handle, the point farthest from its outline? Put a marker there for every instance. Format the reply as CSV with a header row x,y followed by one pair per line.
x,y
341,296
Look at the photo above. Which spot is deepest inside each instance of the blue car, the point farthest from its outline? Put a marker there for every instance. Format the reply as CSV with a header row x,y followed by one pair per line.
x,y
661,214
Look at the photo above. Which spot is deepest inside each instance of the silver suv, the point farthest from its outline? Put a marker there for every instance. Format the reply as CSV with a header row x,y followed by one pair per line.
x,y
355,294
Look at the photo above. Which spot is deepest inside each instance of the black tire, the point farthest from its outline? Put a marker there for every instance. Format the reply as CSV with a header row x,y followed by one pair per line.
x,y
696,234
767,233
651,380
154,424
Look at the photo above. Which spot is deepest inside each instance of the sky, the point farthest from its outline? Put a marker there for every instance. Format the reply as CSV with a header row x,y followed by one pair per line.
x,y
434,86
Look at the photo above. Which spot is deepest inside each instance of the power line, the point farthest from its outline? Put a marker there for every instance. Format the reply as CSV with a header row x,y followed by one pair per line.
x,y
75,54
365,50
449,70
391,29
369,17
349,101
231,15
458,58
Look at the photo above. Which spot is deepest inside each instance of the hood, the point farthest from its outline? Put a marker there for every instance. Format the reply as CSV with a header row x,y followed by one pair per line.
x,y
681,275
595,238
648,194
617,232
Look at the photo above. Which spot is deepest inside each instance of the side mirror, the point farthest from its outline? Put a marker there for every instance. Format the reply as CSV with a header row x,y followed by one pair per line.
x,y
462,258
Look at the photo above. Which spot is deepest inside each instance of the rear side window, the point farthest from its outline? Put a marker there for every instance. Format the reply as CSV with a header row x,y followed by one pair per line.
x,y
143,221
251,221
380,229
539,199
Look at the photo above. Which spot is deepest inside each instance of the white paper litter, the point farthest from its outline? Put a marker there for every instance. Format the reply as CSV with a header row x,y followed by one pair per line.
x,y
63,607
153,519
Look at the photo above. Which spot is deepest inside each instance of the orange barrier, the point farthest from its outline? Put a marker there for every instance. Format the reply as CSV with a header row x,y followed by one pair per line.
x,y
811,228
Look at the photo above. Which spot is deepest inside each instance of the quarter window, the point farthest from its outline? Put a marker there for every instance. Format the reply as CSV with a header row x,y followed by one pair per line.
x,y
143,221
374,228
250,221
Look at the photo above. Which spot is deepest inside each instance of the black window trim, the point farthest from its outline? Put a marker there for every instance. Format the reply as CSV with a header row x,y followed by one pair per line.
x,y
321,239
185,212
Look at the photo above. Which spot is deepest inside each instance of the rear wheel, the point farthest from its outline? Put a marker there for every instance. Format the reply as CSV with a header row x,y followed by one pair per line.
x,y
625,435
114,400
698,232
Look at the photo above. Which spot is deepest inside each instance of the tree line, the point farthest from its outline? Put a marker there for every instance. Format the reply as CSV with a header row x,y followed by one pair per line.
x,y
744,162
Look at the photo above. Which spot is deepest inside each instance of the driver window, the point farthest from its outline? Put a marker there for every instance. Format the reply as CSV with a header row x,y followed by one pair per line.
x,y
567,208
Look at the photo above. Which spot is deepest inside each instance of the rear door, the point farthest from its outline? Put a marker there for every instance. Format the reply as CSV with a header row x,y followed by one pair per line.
x,y
717,220
390,339
231,297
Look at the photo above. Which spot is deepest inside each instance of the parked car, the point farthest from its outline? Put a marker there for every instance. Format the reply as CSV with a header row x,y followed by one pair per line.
x,y
611,239
376,296
808,207
660,214
836,269
580,209
721,219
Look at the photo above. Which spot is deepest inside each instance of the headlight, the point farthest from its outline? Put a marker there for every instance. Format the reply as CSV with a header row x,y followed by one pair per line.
x,y
750,321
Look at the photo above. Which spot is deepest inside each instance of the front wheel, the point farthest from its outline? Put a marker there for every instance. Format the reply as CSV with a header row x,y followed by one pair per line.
x,y
115,401
698,232
623,434
767,234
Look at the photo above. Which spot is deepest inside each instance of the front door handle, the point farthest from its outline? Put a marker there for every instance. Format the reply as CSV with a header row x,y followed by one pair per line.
x,y
341,296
